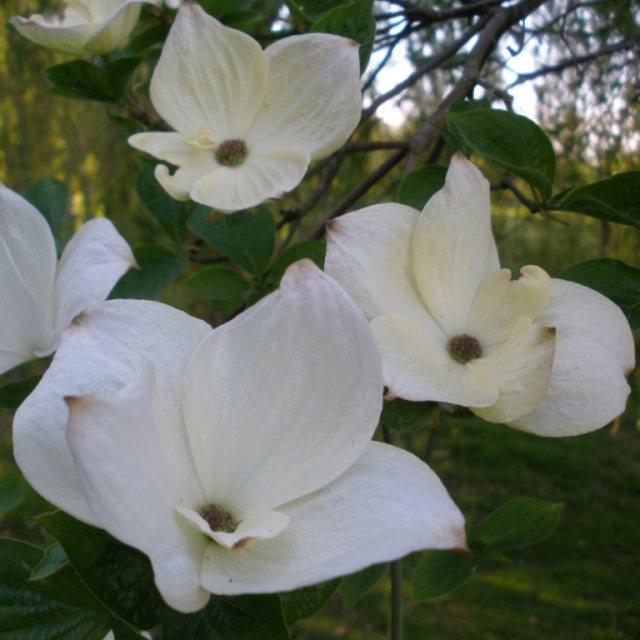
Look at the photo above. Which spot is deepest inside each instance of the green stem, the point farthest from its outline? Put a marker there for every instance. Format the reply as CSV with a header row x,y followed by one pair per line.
x,y
397,598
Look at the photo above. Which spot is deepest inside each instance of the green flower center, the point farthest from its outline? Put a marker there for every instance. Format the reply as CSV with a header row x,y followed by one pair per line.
x,y
232,153
464,348
218,519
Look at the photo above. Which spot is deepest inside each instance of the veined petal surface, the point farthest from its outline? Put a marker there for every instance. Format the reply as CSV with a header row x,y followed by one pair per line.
x,y
102,349
368,253
128,480
594,353
91,264
117,27
452,249
313,98
418,367
208,76
385,506
283,399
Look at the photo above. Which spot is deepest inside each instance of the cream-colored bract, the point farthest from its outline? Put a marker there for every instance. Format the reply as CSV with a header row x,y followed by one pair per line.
x,y
267,419
87,27
40,295
540,354
296,101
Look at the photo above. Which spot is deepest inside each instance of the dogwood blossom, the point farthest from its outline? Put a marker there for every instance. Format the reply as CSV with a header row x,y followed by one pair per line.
x,y
247,122
86,26
239,459
40,295
541,354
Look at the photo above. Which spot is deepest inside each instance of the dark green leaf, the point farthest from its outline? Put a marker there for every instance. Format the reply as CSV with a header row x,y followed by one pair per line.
x,y
220,8
80,79
119,72
216,283
470,105
244,617
417,187
45,609
440,573
303,603
159,267
615,279
247,239
311,249
50,197
170,214
151,37
403,415
12,395
356,585
616,199
315,9
353,21
11,493
53,560
519,523
513,142
119,576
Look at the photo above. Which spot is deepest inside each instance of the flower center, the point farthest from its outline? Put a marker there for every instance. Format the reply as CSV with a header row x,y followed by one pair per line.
x,y
464,348
232,153
218,519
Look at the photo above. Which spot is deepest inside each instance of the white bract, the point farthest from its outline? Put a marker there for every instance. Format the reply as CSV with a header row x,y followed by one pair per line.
x,y
239,459
41,296
247,122
543,355
86,26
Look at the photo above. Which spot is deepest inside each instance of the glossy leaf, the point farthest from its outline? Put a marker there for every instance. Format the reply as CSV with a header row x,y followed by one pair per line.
x,y
417,187
519,523
303,603
440,573
616,199
615,279
353,21
216,283
119,576
159,268
245,238
357,585
512,141
59,608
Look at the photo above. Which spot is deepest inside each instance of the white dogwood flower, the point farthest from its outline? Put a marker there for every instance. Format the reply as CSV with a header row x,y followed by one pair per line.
x,y
543,355
86,26
239,459
247,122
41,296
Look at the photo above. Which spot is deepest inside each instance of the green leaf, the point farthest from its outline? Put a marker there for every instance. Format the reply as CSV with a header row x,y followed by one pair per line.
x,y
513,142
159,268
353,21
45,609
80,79
11,493
315,9
220,8
403,415
311,249
244,617
119,576
50,197
615,279
303,603
356,585
53,560
12,395
153,36
616,199
119,72
519,523
417,187
247,239
216,283
170,214
440,573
